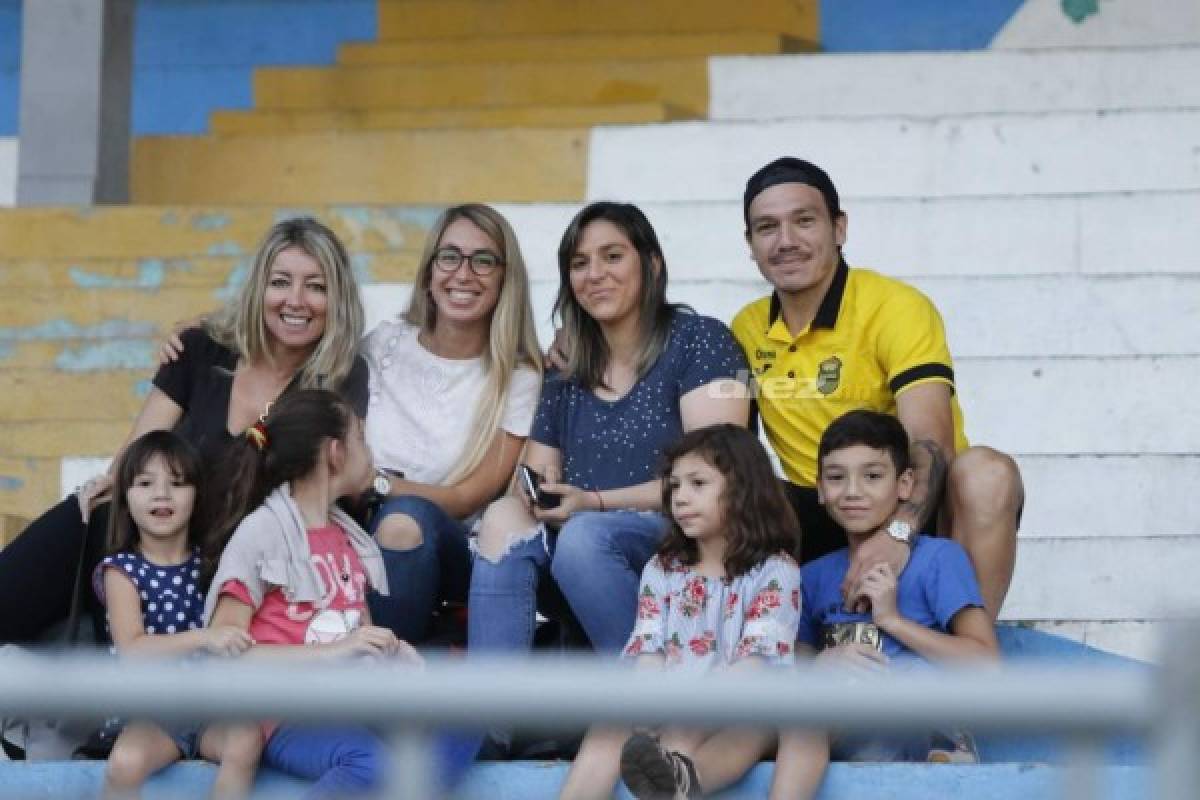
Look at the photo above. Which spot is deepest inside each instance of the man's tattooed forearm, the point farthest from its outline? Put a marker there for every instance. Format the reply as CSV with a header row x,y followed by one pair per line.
x,y
929,465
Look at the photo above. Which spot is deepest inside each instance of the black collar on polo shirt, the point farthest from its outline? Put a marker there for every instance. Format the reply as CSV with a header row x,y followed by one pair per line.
x,y
831,303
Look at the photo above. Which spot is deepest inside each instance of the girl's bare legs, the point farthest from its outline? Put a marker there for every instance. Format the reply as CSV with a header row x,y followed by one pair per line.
x,y
141,750
799,765
723,758
595,771
237,749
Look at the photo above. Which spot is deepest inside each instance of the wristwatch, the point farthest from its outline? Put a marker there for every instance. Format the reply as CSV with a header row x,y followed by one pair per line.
x,y
382,483
901,531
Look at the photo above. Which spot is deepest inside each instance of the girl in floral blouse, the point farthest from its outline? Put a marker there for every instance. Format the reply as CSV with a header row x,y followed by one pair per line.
x,y
723,592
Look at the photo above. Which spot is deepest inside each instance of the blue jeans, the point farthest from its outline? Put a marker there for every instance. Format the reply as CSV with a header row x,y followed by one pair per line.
x,y
352,760
596,561
437,569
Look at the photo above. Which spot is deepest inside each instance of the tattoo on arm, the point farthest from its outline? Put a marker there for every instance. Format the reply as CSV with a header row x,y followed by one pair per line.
x,y
929,465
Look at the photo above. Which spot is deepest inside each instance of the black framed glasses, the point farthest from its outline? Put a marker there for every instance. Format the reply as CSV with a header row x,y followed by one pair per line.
x,y
481,262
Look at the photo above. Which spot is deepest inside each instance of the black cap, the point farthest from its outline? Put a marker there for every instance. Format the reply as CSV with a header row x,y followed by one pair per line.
x,y
790,170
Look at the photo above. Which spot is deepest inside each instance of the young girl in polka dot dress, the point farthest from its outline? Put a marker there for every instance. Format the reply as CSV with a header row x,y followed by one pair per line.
x,y
150,586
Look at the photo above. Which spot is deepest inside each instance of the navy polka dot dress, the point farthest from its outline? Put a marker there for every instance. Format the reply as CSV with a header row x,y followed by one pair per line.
x,y
172,601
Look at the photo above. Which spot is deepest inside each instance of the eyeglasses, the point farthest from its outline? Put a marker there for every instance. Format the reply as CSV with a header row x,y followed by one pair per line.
x,y
481,262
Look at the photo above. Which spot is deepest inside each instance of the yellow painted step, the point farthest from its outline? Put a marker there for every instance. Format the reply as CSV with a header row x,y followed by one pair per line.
x,y
681,82
10,525
578,47
28,486
35,307
363,167
140,232
202,272
48,394
84,353
271,122
418,19
51,440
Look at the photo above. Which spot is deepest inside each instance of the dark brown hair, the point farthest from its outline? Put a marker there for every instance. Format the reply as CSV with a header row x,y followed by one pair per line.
x,y
589,354
871,429
295,427
182,459
759,521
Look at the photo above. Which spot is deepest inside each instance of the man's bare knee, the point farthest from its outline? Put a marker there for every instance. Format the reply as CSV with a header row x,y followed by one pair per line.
x,y
983,480
505,522
399,532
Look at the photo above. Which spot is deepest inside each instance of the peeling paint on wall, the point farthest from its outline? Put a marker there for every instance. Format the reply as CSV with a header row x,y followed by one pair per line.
x,y
210,222
8,483
129,354
151,273
143,387
224,249
58,329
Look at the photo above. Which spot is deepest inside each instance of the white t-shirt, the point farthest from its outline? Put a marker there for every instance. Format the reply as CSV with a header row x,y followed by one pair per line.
x,y
421,406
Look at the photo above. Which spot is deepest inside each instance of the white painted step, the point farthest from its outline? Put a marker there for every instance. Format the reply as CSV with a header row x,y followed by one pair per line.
x,y
938,84
1067,315
980,155
1141,639
925,236
1029,404
1111,405
1081,496
1110,579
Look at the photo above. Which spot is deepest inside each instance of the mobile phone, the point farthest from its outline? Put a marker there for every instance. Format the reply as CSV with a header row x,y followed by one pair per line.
x,y
533,483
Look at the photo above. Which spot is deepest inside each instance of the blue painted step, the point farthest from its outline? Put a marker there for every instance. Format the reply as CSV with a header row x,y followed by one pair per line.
x,y
1016,767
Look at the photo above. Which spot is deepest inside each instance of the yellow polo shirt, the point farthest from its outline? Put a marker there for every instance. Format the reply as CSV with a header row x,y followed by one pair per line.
x,y
873,338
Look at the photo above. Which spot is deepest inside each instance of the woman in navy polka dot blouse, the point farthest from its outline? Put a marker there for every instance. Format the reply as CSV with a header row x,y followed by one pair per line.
x,y
640,373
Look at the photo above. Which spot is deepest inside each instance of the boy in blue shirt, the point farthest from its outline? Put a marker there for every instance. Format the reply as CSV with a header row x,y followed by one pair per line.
x,y
931,612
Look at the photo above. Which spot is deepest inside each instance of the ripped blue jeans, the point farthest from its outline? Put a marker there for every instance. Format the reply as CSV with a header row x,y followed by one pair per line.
x,y
595,560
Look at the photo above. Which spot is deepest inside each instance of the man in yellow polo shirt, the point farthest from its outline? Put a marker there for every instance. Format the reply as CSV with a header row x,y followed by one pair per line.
x,y
831,339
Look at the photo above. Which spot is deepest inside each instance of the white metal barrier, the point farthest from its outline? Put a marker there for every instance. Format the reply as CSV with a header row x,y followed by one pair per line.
x,y
1087,705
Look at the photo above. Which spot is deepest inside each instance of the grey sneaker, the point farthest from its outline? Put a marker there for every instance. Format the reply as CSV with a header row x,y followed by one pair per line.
x,y
955,747
654,773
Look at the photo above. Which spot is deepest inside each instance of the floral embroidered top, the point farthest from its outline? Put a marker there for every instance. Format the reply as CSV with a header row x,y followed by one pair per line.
x,y
701,623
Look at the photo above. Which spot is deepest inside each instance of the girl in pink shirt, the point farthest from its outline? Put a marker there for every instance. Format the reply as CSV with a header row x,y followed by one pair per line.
x,y
296,571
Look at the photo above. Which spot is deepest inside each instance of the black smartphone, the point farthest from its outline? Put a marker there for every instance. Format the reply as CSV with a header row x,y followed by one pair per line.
x,y
533,487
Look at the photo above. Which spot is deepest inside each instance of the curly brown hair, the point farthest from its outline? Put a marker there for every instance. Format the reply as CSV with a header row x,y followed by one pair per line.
x,y
759,520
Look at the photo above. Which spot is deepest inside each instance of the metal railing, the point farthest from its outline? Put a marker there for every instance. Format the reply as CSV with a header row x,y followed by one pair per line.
x,y
1087,705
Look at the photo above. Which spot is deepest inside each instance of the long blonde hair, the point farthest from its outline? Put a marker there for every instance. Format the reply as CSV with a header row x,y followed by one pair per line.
x,y
512,337
241,327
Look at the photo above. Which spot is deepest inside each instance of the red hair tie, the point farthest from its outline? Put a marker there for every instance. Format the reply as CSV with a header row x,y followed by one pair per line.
x,y
257,433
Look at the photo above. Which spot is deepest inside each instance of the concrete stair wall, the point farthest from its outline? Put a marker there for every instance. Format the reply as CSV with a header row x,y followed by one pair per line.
x,y
450,86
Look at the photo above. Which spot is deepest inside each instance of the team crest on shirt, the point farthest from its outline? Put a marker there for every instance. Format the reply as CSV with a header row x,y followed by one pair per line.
x,y
829,375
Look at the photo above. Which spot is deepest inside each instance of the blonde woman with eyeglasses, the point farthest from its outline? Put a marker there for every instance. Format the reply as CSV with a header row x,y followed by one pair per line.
x,y
454,384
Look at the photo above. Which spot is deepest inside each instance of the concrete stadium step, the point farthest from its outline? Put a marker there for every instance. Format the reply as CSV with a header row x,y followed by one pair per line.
x,y
682,82
922,236
1113,404
146,246
1037,405
534,780
567,47
1100,496
418,19
937,84
1113,579
974,155
1015,316
232,123
430,166
146,232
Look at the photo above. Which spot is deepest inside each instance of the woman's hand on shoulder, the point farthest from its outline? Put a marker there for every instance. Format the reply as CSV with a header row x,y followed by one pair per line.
x,y
226,640
172,346
90,494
